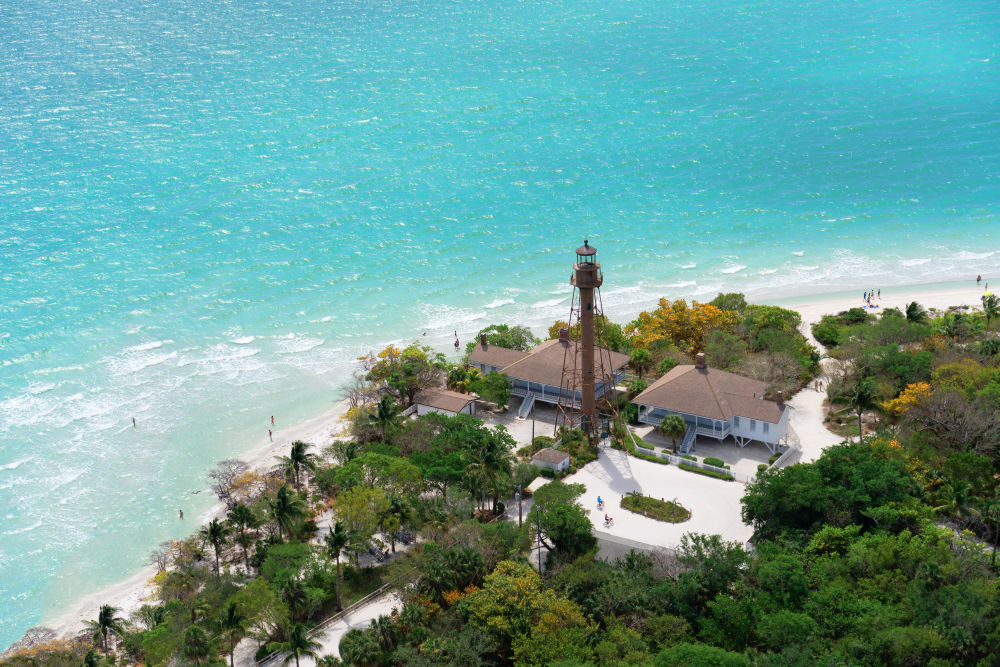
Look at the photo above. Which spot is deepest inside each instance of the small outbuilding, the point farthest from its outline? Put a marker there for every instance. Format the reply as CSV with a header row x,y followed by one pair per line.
x,y
551,458
444,401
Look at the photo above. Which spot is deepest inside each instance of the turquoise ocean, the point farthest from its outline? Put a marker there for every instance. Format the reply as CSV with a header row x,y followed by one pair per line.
x,y
209,209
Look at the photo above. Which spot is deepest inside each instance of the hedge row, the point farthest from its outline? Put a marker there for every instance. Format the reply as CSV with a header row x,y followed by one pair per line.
x,y
710,473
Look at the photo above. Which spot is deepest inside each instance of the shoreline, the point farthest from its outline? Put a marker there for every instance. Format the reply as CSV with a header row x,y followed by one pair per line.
x,y
130,593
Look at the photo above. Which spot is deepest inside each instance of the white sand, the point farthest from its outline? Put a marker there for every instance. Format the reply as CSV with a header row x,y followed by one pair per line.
x,y
132,593
806,420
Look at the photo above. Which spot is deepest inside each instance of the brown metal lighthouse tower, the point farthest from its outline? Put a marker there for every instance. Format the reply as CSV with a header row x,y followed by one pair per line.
x,y
586,363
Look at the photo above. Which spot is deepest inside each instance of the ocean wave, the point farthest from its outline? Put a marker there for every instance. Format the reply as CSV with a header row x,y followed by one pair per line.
x,y
244,340
682,284
296,345
549,303
966,255
915,262
798,253
151,345
732,269
496,303
137,362
14,465
26,529
688,266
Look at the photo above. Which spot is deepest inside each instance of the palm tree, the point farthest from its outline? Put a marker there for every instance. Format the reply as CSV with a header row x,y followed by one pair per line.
x,y
991,309
384,628
215,533
243,517
336,540
991,509
234,623
286,508
460,378
862,398
386,416
399,513
106,623
489,461
298,459
915,313
673,427
640,360
197,645
297,645
953,326
956,500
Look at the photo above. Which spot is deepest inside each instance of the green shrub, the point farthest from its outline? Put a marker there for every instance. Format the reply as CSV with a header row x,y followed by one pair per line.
x,y
989,348
774,457
548,473
712,461
541,442
666,365
709,473
571,470
761,467
660,510
639,455
689,457
854,316
827,333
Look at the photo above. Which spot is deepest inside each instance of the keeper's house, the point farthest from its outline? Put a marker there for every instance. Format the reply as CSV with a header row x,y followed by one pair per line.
x,y
537,374
715,404
444,401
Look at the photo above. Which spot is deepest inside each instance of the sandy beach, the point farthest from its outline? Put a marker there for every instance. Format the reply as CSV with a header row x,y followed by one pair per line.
x,y
130,594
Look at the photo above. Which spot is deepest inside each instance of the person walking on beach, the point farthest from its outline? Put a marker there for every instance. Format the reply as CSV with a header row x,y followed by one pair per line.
x,y
272,420
979,279
270,435
133,423
181,512
456,343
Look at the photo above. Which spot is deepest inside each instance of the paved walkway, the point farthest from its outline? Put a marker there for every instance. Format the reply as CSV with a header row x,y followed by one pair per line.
x,y
714,503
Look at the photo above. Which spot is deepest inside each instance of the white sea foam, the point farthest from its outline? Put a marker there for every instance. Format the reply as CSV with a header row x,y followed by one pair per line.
x,y
688,266
296,344
243,340
14,465
549,303
798,253
915,262
496,303
151,345
682,284
733,269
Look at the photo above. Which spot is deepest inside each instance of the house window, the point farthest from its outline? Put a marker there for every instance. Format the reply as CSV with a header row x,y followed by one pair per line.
x,y
736,422
767,427
753,424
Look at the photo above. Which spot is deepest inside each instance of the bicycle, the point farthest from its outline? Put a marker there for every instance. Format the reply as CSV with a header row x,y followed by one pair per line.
x,y
600,505
609,522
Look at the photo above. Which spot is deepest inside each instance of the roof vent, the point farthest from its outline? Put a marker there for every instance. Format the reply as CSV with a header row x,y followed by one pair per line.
x,y
564,335
699,361
781,399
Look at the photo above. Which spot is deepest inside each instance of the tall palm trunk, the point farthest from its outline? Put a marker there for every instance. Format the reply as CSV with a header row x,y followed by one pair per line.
x,y
232,648
340,604
243,543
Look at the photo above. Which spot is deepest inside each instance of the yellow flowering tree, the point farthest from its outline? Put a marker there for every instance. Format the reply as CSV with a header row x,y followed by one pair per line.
x,y
909,398
683,325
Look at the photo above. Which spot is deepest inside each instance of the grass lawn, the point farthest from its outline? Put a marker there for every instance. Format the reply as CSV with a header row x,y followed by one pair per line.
x,y
656,509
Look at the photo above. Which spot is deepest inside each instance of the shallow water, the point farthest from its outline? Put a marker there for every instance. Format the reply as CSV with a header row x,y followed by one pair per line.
x,y
208,210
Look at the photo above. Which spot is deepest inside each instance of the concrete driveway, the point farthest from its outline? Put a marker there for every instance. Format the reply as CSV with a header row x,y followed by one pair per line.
x,y
714,503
